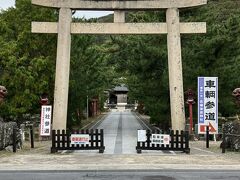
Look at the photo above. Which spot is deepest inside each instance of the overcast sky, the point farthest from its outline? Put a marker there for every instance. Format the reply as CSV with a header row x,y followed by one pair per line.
x,y
4,4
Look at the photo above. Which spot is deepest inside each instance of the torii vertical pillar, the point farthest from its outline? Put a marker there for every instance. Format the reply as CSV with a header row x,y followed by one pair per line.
x,y
175,69
62,69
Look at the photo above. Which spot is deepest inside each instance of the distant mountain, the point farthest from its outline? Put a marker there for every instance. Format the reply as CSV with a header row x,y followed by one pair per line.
x,y
106,19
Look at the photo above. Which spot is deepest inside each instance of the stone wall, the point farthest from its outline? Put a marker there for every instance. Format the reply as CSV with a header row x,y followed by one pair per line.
x,y
6,134
232,135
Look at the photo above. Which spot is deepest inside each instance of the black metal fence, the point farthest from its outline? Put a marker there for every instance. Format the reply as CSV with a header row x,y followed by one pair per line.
x,y
61,140
178,142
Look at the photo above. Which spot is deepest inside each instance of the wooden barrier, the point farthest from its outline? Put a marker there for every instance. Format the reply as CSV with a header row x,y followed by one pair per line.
x,y
62,141
178,142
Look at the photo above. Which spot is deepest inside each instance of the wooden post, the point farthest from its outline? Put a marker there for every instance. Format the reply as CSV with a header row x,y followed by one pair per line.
x,y
82,131
58,138
68,138
172,138
177,139
32,136
182,136
224,140
87,132
207,136
53,148
187,149
97,134
14,140
148,138
102,147
92,138
138,147
63,137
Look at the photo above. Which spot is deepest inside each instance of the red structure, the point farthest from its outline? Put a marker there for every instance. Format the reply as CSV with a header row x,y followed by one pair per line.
x,y
190,102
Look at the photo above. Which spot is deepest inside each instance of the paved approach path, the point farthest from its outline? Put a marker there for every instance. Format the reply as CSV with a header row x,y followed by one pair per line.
x,y
125,158
120,133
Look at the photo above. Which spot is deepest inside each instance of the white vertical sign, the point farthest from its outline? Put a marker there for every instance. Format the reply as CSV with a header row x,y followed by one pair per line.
x,y
208,104
46,116
142,137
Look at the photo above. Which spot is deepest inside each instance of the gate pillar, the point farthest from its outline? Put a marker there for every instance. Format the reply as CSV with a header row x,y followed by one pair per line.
x,y
175,69
62,69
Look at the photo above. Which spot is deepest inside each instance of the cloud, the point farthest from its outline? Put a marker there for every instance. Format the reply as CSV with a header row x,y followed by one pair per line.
x,y
4,4
91,14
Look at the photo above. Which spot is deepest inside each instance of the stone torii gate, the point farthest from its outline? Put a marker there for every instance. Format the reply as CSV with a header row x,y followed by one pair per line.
x,y
173,28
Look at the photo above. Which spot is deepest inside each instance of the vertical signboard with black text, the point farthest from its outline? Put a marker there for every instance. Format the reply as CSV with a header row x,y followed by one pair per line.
x,y
207,104
46,116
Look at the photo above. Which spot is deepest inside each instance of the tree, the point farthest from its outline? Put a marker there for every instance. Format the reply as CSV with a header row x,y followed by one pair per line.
x,y
215,53
144,58
89,76
26,60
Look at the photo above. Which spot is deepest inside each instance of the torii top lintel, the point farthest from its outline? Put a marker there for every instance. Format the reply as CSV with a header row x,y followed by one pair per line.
x,y
119,4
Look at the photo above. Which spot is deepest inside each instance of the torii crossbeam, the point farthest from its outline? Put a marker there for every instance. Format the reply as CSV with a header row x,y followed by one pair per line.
x,y
173,28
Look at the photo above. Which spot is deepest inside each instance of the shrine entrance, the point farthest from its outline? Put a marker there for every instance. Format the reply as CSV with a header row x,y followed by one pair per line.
x,y
173,28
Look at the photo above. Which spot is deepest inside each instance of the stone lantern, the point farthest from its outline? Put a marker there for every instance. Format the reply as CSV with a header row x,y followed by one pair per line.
x,y
3,93
44,99
236,95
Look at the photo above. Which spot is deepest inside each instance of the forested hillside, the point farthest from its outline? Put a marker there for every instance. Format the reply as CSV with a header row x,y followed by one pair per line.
x,y
27,61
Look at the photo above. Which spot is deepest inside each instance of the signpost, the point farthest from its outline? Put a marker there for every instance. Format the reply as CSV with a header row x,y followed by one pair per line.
x,y
46,116
207,105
